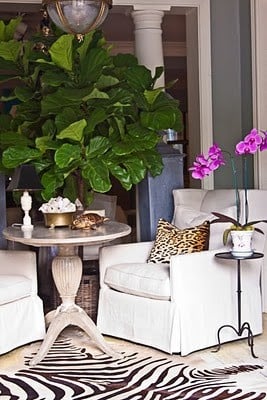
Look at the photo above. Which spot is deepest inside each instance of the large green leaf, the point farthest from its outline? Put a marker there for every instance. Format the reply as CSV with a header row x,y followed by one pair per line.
x,y
67,116
94,62
158,72
106,81
61,52
73,131
121,96
45,143
66,154
51,180
139,77
49,128
2,31
160,119
84,45
24,93
54,78
162,100
136,143
135,168
97,146
54,103
16,155
10,51
11,28
70,187
121,174
152,95
125,60
95,94
96,117
122,148
153,161
97,173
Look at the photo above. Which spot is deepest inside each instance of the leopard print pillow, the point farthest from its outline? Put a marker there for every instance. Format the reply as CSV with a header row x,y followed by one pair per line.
x,y
171,241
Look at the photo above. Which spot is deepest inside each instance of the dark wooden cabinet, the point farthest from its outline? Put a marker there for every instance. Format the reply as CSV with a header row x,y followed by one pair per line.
x,y
154,195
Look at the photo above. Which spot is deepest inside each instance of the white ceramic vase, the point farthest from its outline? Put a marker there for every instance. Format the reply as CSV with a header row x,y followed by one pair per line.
x,y
242,243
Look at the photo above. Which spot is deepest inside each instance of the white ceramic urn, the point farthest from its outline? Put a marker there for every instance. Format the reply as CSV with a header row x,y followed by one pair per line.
x,y
242,243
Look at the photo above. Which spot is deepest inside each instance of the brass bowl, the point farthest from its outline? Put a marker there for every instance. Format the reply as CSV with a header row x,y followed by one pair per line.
x,y
58,219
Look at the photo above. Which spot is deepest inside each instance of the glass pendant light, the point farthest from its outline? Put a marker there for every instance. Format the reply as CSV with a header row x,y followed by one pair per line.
x,y
77,16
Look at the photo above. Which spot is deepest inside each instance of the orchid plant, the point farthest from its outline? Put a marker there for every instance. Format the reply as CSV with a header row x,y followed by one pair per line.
x,y
203,166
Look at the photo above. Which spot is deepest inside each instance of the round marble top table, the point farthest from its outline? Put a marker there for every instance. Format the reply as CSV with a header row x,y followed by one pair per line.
x,y
63,236
67,274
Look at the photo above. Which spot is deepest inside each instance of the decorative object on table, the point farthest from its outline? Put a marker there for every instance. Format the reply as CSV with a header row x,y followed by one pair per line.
x,y
88,220
58,211
79,16
254,141
242,243
91,117
25,179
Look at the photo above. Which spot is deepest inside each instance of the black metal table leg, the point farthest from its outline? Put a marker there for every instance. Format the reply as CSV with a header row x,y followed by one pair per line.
x,y
245,326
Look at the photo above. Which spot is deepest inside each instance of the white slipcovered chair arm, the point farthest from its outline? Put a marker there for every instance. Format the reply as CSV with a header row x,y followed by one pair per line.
x,y
19,262
195,273
123,254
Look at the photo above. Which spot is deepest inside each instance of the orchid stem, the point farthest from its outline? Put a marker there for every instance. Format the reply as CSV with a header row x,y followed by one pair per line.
x,y
237,195
245,179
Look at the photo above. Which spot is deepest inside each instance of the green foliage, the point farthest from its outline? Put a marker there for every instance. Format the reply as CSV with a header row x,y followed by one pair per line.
x,y
83,116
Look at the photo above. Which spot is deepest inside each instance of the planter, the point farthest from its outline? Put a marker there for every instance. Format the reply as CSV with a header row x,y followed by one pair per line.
x,y
58,219
242,243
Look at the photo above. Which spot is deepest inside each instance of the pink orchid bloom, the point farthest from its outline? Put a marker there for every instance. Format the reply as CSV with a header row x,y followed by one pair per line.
x,y
250,144
203,166
200,167
263,145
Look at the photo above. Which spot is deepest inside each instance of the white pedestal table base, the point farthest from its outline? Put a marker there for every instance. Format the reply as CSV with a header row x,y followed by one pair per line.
x,y
67,274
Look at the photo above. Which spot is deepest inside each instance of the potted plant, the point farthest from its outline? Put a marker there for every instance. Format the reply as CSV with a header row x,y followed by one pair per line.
x,y
83,117
241,232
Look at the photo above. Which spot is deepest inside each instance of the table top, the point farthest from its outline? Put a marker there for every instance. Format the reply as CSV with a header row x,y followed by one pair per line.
x,y
43,236
229,256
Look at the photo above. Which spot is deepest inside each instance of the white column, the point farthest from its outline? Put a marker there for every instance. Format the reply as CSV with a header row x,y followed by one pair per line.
x,y
148,40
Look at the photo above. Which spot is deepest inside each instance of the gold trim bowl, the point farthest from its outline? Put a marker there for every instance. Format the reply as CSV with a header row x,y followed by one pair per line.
x,y
58,219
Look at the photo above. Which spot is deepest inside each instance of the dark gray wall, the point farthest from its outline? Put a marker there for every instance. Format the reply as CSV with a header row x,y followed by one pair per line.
x,y
231,79
2,210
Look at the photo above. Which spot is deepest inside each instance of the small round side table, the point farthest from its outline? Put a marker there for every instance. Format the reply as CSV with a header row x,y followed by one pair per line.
x,y
245,326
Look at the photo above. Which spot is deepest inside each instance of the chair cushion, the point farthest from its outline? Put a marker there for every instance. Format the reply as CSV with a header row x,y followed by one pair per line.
x,y
186,217
171,241
14,287
145,280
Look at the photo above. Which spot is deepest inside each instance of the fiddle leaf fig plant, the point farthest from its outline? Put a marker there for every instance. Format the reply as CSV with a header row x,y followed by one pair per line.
x,y
82,116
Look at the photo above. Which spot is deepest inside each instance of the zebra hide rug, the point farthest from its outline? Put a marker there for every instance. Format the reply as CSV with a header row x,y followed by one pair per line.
x,y
70,371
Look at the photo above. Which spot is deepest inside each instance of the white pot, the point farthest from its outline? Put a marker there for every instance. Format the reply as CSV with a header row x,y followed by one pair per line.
x,y
242,243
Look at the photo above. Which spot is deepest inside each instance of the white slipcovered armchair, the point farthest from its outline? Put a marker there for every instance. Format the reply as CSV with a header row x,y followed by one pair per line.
x,y
178,307
21,310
